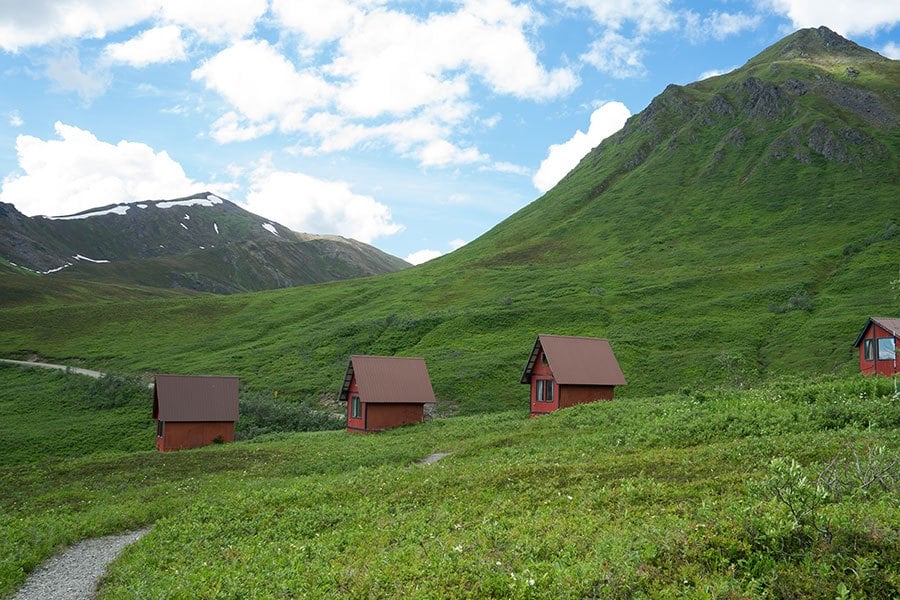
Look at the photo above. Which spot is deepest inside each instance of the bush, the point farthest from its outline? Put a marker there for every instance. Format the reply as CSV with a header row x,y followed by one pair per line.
x,y
261,415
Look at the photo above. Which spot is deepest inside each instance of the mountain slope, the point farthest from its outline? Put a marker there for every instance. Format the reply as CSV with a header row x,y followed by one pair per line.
x,y
738,228
201,242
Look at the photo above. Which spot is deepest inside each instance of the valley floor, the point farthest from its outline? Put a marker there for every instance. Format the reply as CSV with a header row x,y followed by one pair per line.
x,y
701,494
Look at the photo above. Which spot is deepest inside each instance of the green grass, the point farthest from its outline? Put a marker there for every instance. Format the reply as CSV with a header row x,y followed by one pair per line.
x,y
55,415
650,496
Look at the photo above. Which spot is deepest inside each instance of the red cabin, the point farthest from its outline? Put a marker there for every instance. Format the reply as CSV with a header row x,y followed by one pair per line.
x,y
878,343
564,371
194,411
385,391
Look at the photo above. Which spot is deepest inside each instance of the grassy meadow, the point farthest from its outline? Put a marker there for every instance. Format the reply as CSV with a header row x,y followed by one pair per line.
x,y
668,496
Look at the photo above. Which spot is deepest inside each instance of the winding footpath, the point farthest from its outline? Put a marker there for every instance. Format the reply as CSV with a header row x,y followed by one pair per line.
x,y
28,363
73,574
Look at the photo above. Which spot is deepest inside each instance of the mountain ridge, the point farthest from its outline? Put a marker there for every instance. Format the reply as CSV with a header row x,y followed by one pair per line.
x,y
200,242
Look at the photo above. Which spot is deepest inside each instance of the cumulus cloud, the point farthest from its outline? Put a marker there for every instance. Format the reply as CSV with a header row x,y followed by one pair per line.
x,y
77,171
562,158
891,50
715,73
847,17
617,55
15,119
647,15
718,25
157,45
38,22
390,77
312,205
420,256
67,75
262,84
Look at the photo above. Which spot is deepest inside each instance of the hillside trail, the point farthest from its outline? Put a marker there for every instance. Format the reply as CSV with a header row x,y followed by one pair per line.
x,y
29,363
74,573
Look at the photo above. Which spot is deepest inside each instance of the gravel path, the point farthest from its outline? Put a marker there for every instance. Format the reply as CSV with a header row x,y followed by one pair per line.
x,y
74,573
28,363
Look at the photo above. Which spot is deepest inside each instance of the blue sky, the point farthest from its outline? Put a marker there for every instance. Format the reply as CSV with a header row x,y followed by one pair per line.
x,y
414,126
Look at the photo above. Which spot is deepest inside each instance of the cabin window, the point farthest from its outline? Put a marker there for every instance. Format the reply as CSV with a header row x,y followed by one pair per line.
x,y
355,407
544,390
886,349
159,429
869,350
544,359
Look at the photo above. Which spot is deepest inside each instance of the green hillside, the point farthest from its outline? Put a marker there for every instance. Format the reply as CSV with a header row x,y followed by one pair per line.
x,y
672,496
736,229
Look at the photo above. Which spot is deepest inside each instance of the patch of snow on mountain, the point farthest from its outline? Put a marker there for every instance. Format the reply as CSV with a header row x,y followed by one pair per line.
x,y
187,217
120,209
68,264
208,201
80,257
216,227
183,225
142,206
271,229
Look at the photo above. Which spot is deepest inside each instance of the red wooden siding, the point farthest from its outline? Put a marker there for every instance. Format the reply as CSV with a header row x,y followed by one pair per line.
x,y
541,372
180,435
570,395
878,365
384,416
354,424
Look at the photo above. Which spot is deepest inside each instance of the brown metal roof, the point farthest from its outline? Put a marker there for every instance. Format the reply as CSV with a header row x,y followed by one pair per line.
x,y
577,360
195,398
892,325
389,379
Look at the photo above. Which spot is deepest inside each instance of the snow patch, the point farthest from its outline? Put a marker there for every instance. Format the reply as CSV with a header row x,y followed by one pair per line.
x,y
120,209
187,217
142,206
203,247
183,225
93,260
216,227
208,201
271,229
68,264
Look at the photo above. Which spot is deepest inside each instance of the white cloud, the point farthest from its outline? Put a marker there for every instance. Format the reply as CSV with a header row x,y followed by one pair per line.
x,y
647,15
891,50
391,77
715,73
617,55
219,20
847,17
718,25
421,256
66,73
262,84
157,45
37,22
15,119
313,205
562,158
231,128
457,244
319,21
78,171
506,167
439,153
